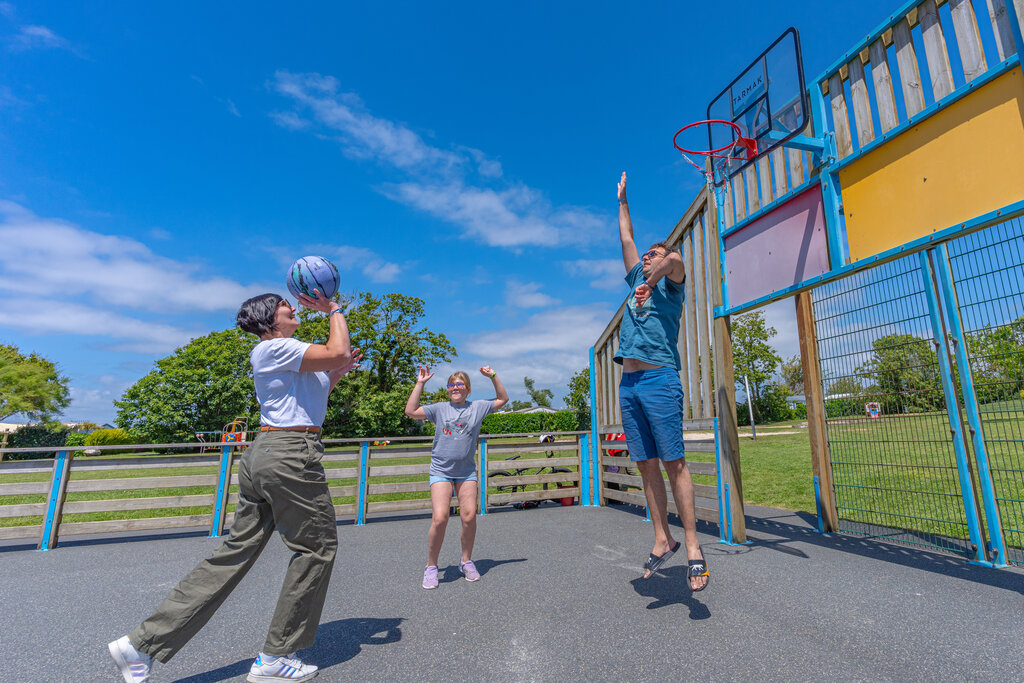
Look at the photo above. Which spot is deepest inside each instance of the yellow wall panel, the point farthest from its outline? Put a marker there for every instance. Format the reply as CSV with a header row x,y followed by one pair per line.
x,y
964,161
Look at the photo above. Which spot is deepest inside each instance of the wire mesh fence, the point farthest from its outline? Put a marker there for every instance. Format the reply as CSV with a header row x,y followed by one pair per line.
x,y
893,462
988,272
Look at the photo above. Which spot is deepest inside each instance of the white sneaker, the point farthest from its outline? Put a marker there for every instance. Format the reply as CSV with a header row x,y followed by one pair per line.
x,y
134,665
287,668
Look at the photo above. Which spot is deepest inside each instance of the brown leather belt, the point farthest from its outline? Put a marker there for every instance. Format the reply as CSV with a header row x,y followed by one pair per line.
x,y
311,430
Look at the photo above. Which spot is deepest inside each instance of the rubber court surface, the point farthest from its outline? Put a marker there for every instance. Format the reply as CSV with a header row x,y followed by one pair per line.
x,y
560,599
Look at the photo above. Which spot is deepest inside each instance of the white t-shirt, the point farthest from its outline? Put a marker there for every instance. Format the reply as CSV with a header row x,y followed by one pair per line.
x,y
288,398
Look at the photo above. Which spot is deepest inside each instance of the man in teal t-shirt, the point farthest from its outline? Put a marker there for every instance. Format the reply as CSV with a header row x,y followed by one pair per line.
x,y
651,394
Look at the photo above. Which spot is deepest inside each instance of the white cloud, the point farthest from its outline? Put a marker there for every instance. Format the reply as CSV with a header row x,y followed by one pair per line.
x,y
6,9
527,295
606,273
366,261
549,347
45,257
232,108
32,37
63,317
448,184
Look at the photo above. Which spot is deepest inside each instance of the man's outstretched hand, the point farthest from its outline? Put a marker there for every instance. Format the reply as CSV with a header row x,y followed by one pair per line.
x,y
622,186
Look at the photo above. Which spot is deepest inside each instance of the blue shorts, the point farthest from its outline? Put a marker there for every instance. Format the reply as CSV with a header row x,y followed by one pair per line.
x,y
434,479
652,414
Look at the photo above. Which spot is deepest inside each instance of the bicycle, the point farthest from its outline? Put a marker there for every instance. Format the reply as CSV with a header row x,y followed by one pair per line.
x,y
515,488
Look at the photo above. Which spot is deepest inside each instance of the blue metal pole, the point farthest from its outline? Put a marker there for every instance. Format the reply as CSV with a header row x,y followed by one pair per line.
x,y
364,471
829,183
953,411
817,503
994,524
220,502
595,444
483,476
58,482
728,516
720,211
721,488
585,499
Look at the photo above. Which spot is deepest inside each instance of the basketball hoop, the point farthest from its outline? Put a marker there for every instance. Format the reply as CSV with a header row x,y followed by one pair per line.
x,y
748,144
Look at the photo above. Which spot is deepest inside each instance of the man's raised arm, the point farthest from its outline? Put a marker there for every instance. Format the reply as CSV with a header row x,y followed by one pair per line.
x,y
629,255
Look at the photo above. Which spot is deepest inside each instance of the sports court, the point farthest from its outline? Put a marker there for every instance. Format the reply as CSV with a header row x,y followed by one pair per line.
x,y
560,599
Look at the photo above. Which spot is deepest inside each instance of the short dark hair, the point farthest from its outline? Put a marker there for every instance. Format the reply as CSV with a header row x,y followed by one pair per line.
x,y
256,315
664,246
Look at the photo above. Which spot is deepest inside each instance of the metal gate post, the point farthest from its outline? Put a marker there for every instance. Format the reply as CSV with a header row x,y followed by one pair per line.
x,y
977,553
55,500
220,502
364,475
595,444
988,496
483,476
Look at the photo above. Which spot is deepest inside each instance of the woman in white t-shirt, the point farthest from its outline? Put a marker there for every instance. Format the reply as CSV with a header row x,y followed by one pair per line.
x,y
281,484
452,468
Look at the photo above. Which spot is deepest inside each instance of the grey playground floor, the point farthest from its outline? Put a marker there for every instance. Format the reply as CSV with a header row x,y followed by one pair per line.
x,y
560,599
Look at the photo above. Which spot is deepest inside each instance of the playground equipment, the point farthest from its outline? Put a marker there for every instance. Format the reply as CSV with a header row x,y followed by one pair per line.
x,y
883,195
234,432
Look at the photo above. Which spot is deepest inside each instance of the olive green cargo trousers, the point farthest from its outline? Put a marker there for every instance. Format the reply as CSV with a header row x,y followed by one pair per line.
x,y
281,484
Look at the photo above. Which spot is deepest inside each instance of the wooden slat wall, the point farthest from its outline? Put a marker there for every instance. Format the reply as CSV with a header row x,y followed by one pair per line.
x,y
703,315
1003,27
936,51
968,40
910,74
882,78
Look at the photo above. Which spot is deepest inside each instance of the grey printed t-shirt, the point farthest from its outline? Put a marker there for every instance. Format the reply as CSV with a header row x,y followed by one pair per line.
x,y
456,430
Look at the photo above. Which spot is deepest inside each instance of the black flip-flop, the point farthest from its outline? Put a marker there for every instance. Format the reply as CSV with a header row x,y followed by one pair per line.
x,y
654,562
698,568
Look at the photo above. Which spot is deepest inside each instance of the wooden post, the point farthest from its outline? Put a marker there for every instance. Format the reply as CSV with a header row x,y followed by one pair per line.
x,y
814,394
725,392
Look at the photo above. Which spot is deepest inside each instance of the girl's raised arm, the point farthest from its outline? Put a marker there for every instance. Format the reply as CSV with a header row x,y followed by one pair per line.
x,y
499,388
412,406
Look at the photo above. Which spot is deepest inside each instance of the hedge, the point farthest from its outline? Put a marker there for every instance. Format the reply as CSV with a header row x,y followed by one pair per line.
x,y
518,423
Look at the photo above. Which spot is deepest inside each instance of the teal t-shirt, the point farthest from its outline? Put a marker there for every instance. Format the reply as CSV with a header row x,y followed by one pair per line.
x,y
650,332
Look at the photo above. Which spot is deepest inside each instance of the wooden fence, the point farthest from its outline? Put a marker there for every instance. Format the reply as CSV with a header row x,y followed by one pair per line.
x,y
364,471
703,340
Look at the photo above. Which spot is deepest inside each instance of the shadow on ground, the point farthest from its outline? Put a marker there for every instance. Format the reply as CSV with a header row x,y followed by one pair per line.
x,y
780,530
671,586
336,642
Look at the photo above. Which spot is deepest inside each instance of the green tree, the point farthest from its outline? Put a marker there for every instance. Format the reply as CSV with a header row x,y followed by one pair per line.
x,y
371,401
30,385
200,387
578,398
752,355
792,373
997,361
846,396
905,372
540,397
520,405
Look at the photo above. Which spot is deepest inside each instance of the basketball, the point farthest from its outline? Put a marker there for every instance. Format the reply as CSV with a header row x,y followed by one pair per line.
x,y
313,272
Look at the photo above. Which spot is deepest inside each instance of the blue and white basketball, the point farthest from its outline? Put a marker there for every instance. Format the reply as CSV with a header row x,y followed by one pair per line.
x,y
313,272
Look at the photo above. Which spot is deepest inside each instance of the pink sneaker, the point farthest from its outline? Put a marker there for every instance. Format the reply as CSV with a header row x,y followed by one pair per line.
x,y
469,569
430,578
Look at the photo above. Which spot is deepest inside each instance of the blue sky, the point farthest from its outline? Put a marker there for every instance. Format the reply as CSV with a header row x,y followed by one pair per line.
x,y
162,163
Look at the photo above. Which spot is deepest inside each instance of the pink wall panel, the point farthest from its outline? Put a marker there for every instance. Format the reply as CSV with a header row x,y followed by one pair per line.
x,y
786,246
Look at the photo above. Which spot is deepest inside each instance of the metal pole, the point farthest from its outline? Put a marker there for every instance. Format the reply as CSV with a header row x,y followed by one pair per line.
x,y
750,406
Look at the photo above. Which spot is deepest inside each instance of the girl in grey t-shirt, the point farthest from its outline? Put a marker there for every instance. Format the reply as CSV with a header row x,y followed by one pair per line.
x,y
452,467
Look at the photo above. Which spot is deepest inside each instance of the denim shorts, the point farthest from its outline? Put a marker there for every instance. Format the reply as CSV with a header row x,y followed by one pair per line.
x,y
454,480
652,414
